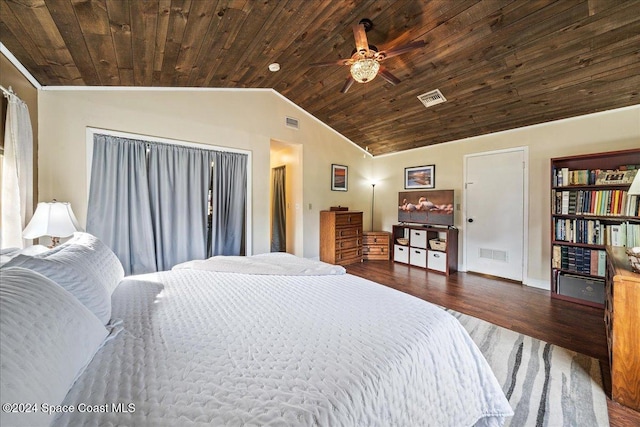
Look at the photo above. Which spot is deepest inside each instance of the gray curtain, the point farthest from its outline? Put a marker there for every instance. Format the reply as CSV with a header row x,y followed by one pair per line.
x,y
148,202
179,184
119,211
278,210
229,204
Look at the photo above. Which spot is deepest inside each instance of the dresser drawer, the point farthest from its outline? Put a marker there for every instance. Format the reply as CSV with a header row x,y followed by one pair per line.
x,y
348,232
348,256
348,219
348,243
375,238
375,252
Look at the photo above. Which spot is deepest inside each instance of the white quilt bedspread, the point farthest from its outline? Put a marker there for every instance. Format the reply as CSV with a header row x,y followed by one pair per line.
x,y
277,263
225,349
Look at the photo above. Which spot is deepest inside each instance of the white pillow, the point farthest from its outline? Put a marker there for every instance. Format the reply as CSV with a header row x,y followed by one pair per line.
x,y
100,259
84,266
47,338
8,254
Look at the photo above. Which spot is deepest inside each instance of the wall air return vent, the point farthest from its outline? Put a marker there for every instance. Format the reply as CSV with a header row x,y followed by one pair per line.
x,y
494,254
292,123
432,98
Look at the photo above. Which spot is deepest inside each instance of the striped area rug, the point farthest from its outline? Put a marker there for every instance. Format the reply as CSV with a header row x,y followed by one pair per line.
x,y
547,385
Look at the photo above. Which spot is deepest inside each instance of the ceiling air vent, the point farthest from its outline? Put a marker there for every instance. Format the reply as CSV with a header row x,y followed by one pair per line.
x,y
292,123
432,98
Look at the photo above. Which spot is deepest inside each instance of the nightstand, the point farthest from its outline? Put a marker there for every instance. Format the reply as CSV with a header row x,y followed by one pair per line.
x,y
376,245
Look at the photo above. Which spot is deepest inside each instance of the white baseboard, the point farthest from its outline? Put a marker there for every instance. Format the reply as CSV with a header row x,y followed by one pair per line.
x,y
528,281
537,283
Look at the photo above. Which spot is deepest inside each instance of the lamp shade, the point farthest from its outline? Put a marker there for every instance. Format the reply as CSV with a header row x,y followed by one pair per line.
x,y
635,186
364,70
55,219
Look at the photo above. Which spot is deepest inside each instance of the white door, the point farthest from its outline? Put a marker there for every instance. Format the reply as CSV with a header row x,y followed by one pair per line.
x,y
495,213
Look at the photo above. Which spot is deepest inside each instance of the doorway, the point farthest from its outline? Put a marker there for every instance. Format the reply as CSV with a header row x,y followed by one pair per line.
x,y
495,196
278,209
289,156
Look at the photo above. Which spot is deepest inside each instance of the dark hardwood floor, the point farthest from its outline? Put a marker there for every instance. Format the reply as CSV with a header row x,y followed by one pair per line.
x,y
520,308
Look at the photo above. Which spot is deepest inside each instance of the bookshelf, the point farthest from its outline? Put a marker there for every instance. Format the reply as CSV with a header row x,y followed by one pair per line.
x,y
590,209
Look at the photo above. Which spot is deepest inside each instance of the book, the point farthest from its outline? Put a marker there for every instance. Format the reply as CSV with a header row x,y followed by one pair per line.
x,y
618,235
579,202
593,267
565,176
633,235
556,202
565,202
580,253
612,177
591,233
630,205
614,202
602,263
564,258
571,258
572,202
557,257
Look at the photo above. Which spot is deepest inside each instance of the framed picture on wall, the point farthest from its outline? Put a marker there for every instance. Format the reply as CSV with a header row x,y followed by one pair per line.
x,y
339,177
420,177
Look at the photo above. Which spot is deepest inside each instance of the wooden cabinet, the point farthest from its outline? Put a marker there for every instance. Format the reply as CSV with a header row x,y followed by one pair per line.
x,y
376,245
590,208
340,237
622,320
433,248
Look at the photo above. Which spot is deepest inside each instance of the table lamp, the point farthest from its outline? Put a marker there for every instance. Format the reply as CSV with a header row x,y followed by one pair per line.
x,y
634,189
54,219
634,253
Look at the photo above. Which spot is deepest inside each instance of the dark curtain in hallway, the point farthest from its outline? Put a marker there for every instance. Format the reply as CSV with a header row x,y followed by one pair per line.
x,y
278,210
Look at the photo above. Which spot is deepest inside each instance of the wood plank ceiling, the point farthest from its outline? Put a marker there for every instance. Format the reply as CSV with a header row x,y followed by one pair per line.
x,y
501,64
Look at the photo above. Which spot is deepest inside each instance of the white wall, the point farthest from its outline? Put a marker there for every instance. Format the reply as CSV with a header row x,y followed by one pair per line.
x,y
244,119
607,131
250,119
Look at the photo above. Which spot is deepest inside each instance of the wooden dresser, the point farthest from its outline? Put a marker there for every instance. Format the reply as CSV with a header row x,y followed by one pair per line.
x,y
376,245
340,237
622,320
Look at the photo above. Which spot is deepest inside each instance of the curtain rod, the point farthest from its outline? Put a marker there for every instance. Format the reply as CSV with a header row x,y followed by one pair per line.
x,y
8,92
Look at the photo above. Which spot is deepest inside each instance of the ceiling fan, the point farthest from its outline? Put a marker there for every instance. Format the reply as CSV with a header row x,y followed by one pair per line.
x,y
365,59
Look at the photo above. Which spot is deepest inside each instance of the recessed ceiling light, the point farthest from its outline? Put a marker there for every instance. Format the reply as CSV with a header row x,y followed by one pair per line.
x,y
274,67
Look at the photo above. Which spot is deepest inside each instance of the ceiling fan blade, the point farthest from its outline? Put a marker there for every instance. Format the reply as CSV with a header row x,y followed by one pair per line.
x,y
385,74
399,50
325,64
350,81
359,33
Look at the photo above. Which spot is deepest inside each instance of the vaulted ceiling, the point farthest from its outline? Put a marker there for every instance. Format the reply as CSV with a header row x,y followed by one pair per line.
x,y
501,64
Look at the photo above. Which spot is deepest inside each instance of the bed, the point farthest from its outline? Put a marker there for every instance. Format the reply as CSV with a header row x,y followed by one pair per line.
x,y
254,341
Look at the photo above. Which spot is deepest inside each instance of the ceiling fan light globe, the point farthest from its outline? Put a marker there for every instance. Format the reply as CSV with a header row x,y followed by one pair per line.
x,y
365,70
